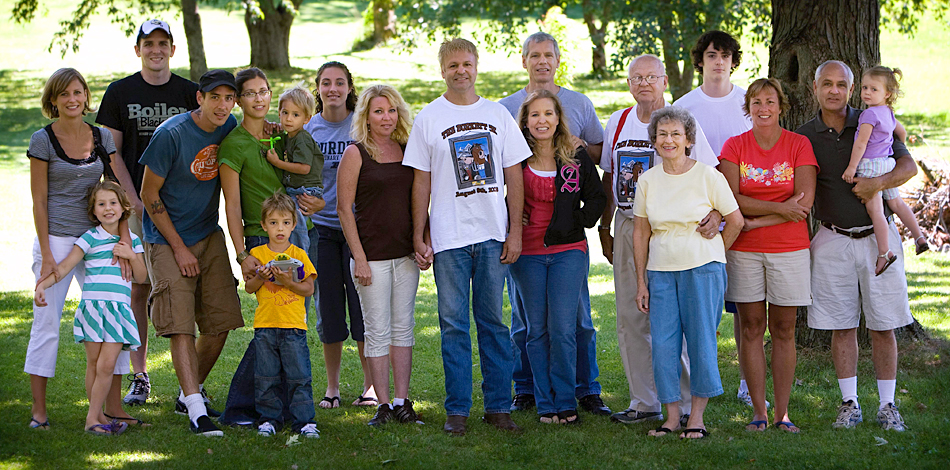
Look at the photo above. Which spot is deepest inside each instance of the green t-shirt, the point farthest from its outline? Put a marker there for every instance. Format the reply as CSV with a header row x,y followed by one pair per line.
x,y
301,148
259,179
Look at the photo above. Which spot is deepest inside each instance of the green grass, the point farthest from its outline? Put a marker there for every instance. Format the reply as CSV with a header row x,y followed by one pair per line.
x,y
347,442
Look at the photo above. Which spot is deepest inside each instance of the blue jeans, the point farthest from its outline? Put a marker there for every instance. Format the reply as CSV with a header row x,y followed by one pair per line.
x,y
283,350
686,302
587,369
550,289
476,270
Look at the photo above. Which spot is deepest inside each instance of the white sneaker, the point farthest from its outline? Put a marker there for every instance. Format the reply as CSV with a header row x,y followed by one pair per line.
x,y
890,418
849,415
266,429
311,431
744,397
139,388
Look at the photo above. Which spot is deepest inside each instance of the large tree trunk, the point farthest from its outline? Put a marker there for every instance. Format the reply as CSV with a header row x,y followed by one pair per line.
x,y
196,46
384,21
598,36
270,35
805,34
680,80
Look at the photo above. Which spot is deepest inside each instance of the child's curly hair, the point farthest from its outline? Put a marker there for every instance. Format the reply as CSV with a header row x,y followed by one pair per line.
x,y
108,185
891,77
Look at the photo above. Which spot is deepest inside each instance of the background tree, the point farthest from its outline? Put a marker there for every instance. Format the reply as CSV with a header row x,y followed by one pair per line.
x,y
804,36
268,25
197,64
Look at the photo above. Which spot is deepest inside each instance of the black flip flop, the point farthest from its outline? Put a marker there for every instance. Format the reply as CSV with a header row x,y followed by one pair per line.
x,y
331,401
666,431
130,420
35,424
366,401
699,430
566,415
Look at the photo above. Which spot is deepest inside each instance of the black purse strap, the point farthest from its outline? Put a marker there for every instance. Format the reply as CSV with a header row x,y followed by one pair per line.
x,y
101,151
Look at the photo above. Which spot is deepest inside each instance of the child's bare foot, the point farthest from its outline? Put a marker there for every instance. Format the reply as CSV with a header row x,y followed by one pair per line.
x,y
883,262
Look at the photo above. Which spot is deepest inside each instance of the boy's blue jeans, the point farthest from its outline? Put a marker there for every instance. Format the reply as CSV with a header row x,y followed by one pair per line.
x,y
283,350
300,238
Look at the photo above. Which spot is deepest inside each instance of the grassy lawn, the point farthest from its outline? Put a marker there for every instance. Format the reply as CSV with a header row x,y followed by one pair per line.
x,y
346,442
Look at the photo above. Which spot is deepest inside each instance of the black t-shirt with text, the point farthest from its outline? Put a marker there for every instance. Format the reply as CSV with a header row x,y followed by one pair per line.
x,y
136,108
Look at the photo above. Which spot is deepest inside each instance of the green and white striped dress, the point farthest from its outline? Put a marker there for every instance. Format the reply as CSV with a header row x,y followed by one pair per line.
x,y
104,314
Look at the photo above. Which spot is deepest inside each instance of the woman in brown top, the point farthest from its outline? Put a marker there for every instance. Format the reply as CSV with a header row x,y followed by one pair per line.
x,y
374,193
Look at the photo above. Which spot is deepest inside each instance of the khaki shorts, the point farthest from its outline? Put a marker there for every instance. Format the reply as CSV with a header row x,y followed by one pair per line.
x,y
135,226
782,279
177,303
843,283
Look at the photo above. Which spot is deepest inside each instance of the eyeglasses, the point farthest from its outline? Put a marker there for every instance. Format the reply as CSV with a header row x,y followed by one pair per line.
x,y
254,94
651,79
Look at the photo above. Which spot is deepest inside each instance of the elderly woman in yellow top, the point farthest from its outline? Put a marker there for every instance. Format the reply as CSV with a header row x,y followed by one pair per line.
x,y
681,276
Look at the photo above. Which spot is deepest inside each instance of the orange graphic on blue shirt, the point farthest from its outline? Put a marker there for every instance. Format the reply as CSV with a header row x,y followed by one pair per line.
x,y
205,165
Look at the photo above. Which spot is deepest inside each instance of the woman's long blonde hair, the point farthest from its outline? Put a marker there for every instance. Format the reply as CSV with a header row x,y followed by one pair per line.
x,y
563,148
360,127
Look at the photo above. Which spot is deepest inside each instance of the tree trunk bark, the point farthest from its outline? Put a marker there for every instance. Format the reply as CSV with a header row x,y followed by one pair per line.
x,y
270,36
196,46
598,37
805,34
384,21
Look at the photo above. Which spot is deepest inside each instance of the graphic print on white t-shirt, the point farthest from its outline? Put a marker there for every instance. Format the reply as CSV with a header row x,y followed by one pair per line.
x,y
474,164
631,164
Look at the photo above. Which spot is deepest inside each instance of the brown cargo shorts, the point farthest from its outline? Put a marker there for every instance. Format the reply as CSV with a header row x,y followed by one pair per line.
x,y
209,300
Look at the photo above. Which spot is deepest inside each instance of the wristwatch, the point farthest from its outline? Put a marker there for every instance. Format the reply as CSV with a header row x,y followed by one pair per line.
x,y
602,227
242,256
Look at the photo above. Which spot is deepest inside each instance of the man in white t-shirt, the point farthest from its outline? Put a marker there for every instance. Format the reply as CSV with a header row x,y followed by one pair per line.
x,y
540,56
627,153
717,106
465,150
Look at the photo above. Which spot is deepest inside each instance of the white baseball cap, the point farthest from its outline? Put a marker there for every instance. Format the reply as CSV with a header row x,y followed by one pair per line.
x,y
151,25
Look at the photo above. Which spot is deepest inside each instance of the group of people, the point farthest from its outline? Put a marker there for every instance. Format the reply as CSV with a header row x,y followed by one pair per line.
x,y
344,201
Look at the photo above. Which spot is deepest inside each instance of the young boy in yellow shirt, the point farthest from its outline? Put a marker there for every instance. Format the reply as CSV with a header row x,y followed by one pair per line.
x,y
280,327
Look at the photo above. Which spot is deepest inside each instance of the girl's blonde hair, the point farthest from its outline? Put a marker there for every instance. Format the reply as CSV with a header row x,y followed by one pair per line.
x,y
360,127
108,185
891,77
57,84
563,149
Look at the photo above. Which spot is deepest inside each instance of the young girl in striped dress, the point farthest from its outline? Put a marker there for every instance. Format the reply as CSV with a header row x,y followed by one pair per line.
x,y
104,322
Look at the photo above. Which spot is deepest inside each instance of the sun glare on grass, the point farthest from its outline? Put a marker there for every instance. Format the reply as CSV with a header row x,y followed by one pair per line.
x,y
122,459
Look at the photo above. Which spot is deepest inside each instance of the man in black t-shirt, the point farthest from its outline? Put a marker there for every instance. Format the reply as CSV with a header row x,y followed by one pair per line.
x,y
131,109
843,252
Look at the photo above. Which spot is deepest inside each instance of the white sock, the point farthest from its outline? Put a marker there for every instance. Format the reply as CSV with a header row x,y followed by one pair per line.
x,y
743,387
196,407
399,401
181,395
849,389
885,390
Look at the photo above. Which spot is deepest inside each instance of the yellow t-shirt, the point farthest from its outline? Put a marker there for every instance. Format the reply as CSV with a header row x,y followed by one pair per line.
x,y
674,205
278,306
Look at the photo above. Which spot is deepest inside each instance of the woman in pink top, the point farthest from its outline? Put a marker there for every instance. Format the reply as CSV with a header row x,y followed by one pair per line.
x,y
772,173
562,196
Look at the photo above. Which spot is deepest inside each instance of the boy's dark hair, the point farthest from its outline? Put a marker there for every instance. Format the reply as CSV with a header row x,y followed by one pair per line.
x,y
108,185
721,41
278,202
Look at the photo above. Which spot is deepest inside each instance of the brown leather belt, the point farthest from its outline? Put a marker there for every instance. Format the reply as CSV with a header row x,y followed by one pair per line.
x,y
850,233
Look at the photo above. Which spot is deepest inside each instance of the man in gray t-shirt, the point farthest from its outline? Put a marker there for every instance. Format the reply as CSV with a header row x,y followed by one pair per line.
x,y
541,57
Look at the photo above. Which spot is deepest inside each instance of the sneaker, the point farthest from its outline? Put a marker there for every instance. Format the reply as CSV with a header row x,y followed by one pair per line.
x,y
139,388
594,404
310,431
630,416
522,401
890,418
266,429
205,427
181,409
744,397
384,414
405,414
849,415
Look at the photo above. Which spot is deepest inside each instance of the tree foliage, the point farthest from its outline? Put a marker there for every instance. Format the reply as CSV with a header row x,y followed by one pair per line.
x,y
122,13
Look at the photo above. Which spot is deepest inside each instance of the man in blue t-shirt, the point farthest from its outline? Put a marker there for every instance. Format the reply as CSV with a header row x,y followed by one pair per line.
x,y
191,274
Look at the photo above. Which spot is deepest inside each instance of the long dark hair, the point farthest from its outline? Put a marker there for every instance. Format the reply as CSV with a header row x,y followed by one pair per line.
x,y
350,97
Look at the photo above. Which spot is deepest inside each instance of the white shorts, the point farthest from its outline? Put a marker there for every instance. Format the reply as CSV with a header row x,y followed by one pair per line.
x,y
388,304
843,283
782,279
